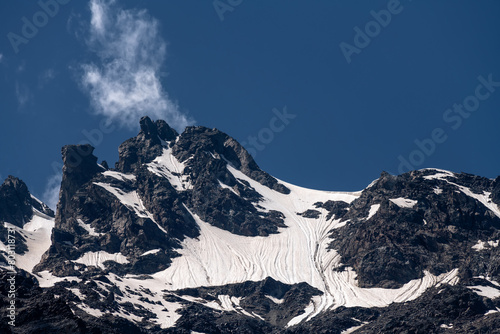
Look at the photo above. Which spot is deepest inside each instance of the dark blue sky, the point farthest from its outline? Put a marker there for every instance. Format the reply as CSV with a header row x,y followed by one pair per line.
x,y
352,119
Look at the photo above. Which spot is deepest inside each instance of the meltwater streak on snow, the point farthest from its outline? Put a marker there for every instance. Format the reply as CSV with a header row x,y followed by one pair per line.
x,y
298,253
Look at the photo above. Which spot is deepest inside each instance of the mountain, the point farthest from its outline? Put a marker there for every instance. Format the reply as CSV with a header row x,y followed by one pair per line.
x,y
188,235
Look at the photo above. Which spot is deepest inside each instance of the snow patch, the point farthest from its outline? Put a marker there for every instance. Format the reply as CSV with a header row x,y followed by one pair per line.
x,y
153,251
119,176
169,167
438,191
484,198
134,290
275,300
483,244
307,312
373,210
441,174
46,279
403,202
37,233
486,291
97,259
88,228
131,199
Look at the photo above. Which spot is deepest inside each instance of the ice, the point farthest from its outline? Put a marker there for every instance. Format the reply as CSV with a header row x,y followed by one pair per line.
x,y
403,202
227,187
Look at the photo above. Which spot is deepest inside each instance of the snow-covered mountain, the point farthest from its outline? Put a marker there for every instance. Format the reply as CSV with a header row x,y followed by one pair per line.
x,y
188,235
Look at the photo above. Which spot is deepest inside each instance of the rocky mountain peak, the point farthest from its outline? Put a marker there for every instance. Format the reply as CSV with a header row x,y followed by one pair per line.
x,y
188,234
156,130
146,146
79,166
197,140
16,202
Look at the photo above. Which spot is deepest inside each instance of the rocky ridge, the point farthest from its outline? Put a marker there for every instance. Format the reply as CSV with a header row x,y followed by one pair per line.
x,y
118,232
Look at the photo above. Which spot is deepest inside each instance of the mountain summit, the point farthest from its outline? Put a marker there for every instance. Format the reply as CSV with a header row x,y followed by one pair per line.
x,y
188,235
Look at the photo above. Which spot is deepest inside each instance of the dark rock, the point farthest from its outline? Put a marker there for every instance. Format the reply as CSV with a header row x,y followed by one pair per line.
x,y
314,214
397,244
146,146
194,141
255,298
80,166
15,202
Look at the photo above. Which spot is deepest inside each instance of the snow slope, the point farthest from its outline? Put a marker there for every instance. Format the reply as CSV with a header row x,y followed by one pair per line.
x,y
298,253
37,233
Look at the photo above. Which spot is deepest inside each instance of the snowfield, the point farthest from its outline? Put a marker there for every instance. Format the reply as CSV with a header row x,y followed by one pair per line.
x,y
298,253
37,233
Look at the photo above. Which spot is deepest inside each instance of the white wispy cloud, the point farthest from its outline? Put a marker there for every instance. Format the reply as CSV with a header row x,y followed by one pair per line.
x,y
23,94
51,194
125,83
45,77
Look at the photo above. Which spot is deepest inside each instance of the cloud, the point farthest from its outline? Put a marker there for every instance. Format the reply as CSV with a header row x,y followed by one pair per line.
x,y
45,77
1,57
23,94
124,84
51,194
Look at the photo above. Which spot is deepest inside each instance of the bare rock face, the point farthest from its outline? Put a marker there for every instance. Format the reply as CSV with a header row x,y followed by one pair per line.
x,y
146,146
132,211
17,208
435,232
194,141
16,203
